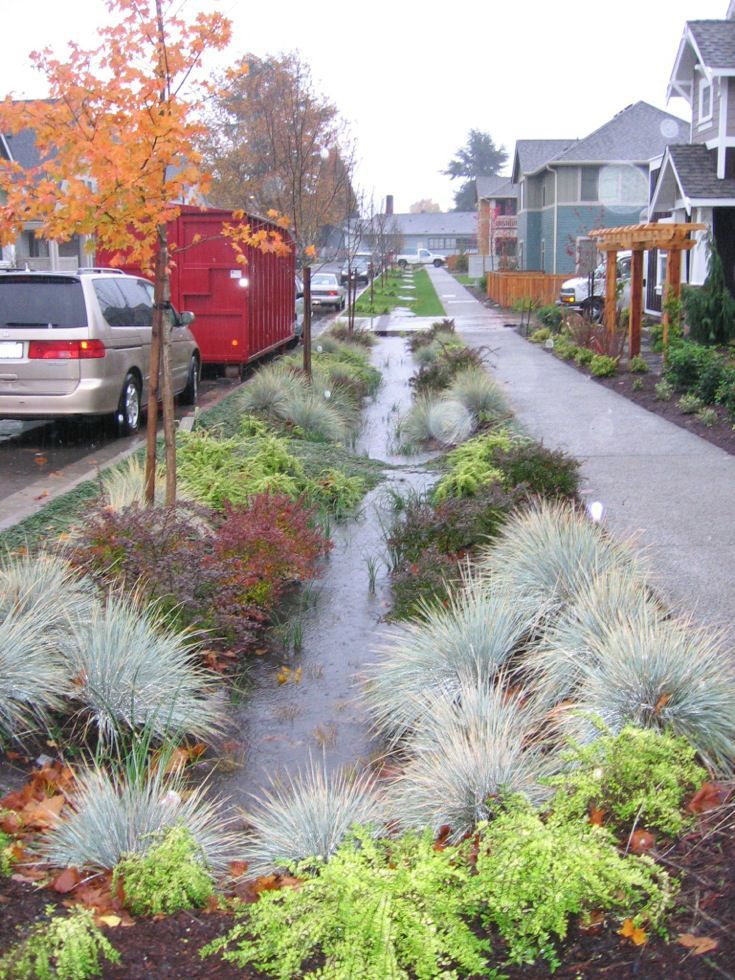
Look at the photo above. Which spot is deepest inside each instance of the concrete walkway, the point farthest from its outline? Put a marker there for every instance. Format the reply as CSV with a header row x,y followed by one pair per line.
x,y
672,489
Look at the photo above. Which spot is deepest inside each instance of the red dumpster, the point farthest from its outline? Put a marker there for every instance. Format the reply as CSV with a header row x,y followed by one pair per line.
x,y
242,311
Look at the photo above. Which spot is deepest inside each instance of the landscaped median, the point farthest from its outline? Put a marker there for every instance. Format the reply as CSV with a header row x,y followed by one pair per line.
x,y
411,289
554,748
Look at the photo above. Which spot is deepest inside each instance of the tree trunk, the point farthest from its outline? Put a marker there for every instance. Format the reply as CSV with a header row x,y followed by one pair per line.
x,y
155,372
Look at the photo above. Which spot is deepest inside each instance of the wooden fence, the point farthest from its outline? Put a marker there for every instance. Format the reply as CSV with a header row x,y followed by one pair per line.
x,y
507,288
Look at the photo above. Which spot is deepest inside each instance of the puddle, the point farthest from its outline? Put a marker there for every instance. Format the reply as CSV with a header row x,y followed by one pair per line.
x,y
316,708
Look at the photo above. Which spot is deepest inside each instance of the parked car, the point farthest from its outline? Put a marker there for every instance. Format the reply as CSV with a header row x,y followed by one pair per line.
x,y
326,290
422,256
79,344
575,293
360,267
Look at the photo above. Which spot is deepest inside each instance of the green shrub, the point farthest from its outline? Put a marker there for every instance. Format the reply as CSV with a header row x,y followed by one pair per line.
x,y
686,363
638,778
584,356
532,877
715,376
6,854
471,466
637,384
707,416
170,876
638,365
664,390
689,403
564,348
710,309
539,471
657,335
450,361
462,263
725,394
550,316
375,909
603,366
66,946
482,283
540,336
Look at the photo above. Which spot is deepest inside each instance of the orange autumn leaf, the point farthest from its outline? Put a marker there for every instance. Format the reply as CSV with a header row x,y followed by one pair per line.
x,y
709,796
633,932
66,881
698,944
642,841
238,868
597,816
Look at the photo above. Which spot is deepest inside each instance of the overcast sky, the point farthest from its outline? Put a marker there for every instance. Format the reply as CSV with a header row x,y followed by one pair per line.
x,y
412,77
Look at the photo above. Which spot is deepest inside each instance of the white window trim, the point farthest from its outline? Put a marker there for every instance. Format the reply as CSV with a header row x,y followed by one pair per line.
x,y
706,93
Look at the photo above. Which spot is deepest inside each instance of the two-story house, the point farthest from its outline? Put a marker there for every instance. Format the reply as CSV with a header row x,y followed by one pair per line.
x,y
696,177
567,187
497,223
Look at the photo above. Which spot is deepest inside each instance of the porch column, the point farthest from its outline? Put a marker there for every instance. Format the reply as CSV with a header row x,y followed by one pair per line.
x,y
611,290
636,303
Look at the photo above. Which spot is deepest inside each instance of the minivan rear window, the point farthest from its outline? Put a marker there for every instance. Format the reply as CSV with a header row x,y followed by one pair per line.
x,y
37,301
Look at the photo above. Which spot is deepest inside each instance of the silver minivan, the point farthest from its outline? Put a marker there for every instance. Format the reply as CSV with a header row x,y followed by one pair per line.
x,y
74,344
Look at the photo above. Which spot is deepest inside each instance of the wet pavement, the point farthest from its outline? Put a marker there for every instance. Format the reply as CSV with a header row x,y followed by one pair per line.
x,y
312,709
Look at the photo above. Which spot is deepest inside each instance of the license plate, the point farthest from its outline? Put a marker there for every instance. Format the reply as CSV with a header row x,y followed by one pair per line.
x,y
11,350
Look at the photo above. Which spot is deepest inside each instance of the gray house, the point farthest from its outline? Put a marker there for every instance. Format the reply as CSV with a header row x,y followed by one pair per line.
x,y
568,187
446,232
497,223
695,180
30,249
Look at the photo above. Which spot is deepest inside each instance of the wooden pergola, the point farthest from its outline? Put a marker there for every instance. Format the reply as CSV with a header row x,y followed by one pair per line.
x,y
670,238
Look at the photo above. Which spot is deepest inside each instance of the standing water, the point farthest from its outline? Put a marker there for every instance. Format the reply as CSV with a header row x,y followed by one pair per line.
x,y
308,705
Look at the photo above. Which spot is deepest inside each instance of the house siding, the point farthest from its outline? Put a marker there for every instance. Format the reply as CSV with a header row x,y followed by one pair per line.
x,y
529,235
547,234
731,106
577,222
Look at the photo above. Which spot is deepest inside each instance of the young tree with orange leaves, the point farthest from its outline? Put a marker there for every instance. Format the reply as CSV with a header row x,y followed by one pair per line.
x,y
117,140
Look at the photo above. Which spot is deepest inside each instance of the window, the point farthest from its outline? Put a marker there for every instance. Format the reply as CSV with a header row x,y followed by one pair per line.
x,y
138,295
705,100
39,302
112,302
588,184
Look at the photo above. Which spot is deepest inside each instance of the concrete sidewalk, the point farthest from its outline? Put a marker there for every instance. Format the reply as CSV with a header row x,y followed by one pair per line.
x,y
674,490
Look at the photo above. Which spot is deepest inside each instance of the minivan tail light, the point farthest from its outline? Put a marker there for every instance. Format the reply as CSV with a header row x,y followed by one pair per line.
x,y
65,350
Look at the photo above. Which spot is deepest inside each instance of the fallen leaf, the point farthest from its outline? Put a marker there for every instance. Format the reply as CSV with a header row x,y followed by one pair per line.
x,y
42,496
633,932
709,796
597,816
67,881
641,841
238,868
698,944
661,703
109,920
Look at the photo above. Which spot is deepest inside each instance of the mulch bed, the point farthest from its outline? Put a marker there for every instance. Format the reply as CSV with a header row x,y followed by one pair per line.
x,y
703,860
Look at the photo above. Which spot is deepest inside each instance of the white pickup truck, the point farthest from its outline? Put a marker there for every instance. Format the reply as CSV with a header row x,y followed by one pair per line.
x,y
575,293
422,256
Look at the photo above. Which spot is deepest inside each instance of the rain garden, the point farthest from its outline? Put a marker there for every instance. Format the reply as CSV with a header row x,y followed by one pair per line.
x,y
380,697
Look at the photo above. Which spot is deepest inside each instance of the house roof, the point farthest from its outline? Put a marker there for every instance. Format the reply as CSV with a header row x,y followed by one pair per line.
x,y
23,148
635,135
495,187
689,172
437,223
531,155
714,41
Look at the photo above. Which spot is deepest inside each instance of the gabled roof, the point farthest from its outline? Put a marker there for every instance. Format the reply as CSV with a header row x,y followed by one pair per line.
x,y
689,173
635,135
531,155
23,149
495,187
707,43
437,223
715,42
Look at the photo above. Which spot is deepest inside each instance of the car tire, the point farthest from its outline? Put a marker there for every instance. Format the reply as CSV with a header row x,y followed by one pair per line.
x,y
438,263
129,407
594,309
190,394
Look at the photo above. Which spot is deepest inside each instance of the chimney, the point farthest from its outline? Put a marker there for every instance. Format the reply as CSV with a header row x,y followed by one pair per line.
x,y
388,205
